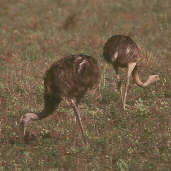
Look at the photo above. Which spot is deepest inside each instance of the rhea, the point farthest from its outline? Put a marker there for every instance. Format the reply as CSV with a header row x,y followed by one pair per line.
x,y
122,52
69,78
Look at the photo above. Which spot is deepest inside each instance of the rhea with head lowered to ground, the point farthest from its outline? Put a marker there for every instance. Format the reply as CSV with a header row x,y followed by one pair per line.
x,y
68,78
122,51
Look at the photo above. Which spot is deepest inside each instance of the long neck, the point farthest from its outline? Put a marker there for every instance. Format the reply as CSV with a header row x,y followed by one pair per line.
x,y
138,81
50,104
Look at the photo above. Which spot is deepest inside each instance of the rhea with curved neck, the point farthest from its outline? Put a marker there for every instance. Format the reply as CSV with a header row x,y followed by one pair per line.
x,y
70,78
122,52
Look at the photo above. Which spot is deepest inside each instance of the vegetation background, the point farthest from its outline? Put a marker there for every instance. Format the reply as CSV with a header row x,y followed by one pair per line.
x,y
34,34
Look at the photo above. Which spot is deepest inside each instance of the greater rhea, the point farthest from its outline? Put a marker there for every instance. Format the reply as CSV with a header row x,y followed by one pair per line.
x,y
122,51
68,78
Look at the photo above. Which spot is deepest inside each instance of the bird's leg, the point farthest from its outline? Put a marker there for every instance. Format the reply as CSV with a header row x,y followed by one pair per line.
x,y
119,86
97,91
119,82
66,101
131,67
76,112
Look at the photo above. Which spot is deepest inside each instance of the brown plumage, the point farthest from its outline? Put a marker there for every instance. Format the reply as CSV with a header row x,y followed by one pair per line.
x,y
68,78
122,51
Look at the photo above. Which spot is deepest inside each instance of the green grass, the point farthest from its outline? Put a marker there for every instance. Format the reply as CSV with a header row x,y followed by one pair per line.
x,y
34,34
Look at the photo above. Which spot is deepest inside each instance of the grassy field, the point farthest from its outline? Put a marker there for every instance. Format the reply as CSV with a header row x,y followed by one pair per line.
x,y
34,34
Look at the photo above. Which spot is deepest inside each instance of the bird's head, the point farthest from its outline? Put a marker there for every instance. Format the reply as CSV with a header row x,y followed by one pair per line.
x,y
26,119
154,78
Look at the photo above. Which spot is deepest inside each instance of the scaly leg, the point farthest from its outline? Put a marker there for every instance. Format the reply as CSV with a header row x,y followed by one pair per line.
x,y
119,82
131,67
76,112
120,87
97,92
